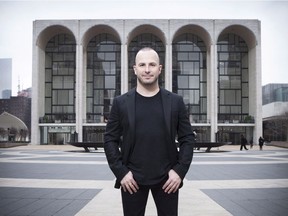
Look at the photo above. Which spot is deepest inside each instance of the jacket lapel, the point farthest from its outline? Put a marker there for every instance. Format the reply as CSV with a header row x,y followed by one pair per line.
x,y
166,101
131,110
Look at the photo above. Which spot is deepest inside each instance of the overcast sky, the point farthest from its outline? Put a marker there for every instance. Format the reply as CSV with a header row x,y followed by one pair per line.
x,y
16,22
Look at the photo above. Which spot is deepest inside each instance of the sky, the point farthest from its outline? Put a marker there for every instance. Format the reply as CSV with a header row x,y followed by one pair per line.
x,y
16,26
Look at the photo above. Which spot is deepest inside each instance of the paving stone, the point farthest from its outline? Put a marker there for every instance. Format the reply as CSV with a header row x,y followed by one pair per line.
x,y
13,206
72,208
55,171
67,159
234,172
251,201
32,207
59,200
41,180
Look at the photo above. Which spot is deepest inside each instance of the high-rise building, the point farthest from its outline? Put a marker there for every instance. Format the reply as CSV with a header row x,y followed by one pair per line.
x,y
79,66
6,78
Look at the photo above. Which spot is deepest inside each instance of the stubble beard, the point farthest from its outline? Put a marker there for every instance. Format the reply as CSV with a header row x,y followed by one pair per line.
x,y
148,83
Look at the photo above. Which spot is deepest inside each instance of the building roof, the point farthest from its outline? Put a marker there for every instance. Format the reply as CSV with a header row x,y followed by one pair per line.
x,y
8,120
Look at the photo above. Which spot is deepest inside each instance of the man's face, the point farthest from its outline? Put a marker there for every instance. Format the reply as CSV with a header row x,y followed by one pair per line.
x,y
147,67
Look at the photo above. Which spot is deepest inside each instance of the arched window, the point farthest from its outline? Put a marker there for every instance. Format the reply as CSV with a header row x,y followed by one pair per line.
x,y
189,73
233,78
103,76
60,78
141,41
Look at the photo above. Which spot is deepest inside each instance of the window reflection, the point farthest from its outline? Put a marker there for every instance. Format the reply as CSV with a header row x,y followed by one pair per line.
x,y
103,76
233,79
190,75
60,78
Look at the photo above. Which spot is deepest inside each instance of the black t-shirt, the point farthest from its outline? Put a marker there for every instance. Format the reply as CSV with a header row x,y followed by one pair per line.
x,y
149,161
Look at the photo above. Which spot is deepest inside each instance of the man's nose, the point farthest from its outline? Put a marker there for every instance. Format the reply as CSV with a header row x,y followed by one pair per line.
x,y
147,69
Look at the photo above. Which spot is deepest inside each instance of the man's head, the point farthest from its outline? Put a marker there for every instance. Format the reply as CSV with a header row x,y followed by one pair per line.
x,y
147,49
147,67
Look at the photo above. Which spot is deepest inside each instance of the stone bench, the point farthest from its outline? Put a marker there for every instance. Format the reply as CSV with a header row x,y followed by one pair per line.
x,y
87,145
210,145
197,145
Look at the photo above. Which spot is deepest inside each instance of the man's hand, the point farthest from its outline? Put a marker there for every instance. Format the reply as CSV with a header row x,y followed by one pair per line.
x,y
129,184
173,182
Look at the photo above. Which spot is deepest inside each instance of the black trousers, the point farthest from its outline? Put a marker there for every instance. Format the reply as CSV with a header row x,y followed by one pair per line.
x,y
135,204
243,145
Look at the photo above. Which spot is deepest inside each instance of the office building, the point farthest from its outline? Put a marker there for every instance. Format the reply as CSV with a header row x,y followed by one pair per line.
x,y
6,78
275,112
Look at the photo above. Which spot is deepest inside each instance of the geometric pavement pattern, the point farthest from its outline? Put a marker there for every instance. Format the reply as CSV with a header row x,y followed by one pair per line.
x,y
65,180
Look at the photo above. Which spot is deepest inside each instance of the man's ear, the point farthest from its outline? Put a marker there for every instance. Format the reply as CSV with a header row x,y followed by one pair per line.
x,y
160,69
134,68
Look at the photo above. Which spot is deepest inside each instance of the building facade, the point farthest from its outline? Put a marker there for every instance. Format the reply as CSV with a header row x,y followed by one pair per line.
x,y
79,66
275,111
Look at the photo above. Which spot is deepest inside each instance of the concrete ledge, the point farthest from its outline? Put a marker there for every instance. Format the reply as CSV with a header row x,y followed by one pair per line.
x,y
12,144
281,144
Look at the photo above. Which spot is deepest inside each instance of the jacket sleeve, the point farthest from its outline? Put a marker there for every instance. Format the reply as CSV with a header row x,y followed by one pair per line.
x,y
112,141
186,140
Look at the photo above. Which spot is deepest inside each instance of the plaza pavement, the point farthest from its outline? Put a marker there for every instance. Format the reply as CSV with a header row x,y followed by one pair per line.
x,y
66,181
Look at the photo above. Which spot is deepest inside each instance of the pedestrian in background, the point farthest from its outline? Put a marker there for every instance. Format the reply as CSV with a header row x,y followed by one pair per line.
x,y
261,143
251,143
243,143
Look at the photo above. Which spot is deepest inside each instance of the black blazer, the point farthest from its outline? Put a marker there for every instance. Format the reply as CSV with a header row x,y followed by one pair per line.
x,y
120,133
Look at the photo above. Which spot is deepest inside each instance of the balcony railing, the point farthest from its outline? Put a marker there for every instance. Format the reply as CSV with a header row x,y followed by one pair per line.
x,y
58,118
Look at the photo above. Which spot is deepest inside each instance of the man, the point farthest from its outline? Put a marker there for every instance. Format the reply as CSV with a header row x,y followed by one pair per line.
x,y
140,141
261,142
243,143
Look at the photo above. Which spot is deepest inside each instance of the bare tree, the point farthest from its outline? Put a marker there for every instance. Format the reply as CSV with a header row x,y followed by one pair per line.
x,y
3,132
12,133
23,134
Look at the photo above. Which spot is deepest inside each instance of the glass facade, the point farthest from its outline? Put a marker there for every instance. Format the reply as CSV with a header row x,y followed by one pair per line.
x,y
103,76
56,134
275,124
233,134
276,129
60,79
189,74
233,79
274,93
202,133
94,134
141,41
